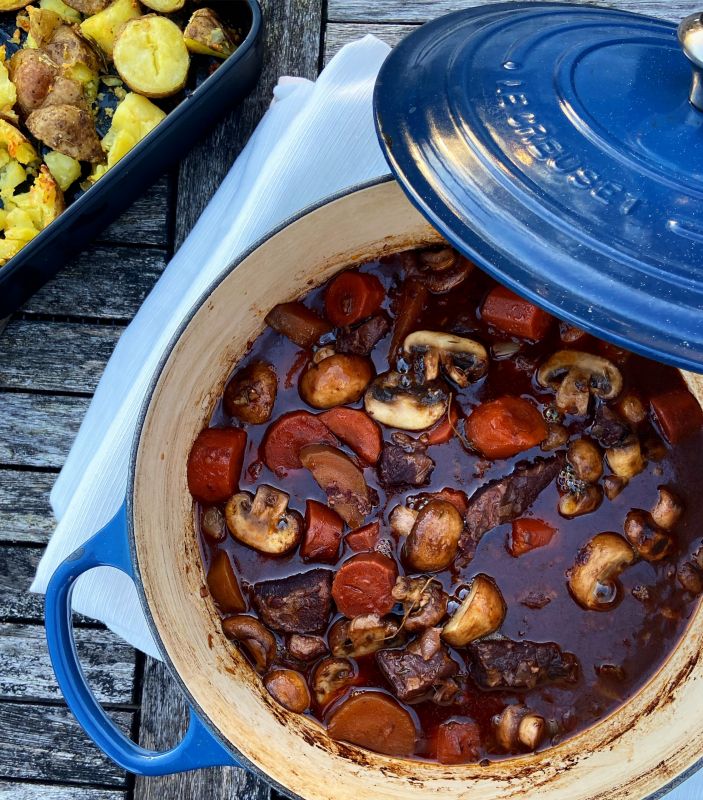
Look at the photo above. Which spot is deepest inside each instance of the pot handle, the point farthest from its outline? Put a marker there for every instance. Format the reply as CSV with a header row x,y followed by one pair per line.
x,y
198,748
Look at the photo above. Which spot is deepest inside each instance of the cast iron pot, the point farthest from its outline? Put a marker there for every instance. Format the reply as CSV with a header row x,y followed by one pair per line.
x,y
653,741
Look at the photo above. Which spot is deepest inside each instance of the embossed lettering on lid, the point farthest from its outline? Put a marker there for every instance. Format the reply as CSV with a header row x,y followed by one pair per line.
x,y
556,145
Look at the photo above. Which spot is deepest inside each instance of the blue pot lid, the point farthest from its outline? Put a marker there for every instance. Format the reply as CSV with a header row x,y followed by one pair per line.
x,y
555,145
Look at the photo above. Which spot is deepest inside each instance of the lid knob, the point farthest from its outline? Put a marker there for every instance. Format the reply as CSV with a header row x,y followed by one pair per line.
x,y
691,38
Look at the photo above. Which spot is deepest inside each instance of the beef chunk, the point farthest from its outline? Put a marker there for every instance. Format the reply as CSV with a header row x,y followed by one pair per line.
x,y
362,339
400,466
505,499
306,648
421,666
298,604
609,429
509,665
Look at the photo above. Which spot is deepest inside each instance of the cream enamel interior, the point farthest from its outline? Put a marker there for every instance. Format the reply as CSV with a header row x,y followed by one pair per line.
x,y
643,746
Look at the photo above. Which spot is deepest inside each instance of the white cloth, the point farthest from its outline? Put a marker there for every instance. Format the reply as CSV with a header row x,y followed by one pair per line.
x,y
316,139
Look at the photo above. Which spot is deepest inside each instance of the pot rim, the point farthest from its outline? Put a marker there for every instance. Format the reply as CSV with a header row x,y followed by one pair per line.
x,y
129,499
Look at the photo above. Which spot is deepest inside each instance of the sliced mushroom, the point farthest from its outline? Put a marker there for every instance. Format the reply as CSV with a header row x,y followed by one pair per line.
x,y
576,504
288,687
330,677
481,612
335,380
613,485
264,522
651,542
626,460
463,360
424,602
257,640
440,269
251,393
575,376
586,460
667,510
434,539
516,728
397,401
593,580
364,634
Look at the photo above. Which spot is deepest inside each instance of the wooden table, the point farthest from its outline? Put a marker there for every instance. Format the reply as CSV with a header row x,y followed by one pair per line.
x,y
51,356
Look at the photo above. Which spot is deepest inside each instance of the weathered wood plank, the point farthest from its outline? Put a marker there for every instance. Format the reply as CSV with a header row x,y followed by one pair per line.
x,y
25,514
292,46
146,221
105,282
337,34
42,791
17,568
38,429
163,724
45,743
398,11
30,351
108,663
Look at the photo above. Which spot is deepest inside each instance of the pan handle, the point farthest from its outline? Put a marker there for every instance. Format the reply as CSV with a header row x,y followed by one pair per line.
x,y
200,747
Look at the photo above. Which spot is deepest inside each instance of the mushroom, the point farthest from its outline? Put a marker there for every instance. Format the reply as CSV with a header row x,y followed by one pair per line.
x,y
632,409
257,640
690,576
402,520
575,376
593,578
613,485
557,436
330,677
668,509
424,602
395,400
288,688
577,503
264,522
364,634
481,612
305,647
586,460
212,524
251,393
335,380
433,541
651,542
517,727
440,269
463,360
626,459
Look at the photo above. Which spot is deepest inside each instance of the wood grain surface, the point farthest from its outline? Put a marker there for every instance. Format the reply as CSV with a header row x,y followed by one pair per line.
x,y
51,356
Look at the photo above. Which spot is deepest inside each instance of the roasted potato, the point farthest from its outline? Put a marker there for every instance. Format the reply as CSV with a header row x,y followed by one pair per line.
x,y
72,52
164,6
13,5
102,28
33,73
42,24
14,146
134,118
89,7
151,57
8,92
66,92
67,129
66,13
205,34
64,169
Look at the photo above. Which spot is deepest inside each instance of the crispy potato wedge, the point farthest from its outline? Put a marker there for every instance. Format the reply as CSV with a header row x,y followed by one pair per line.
x,y
68,130
205,34
64,169
102,28
42,24
15,146
151,57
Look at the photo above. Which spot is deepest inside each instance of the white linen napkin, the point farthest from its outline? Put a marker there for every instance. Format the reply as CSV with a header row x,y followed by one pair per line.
x,y
315,140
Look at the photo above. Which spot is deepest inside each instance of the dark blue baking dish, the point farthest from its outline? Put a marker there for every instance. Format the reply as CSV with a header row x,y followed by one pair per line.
x,y
88,214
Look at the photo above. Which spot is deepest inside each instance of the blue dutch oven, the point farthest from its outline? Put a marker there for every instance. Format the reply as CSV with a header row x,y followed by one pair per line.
x,y
555,145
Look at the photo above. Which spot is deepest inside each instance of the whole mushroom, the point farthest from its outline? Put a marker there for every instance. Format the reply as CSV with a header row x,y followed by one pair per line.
x,y
593,580
668,509
519,728
575,376
256,639
626,460
424,601
651,542
399,402
481,612
335,380
463,360
264,521
251,393
433,541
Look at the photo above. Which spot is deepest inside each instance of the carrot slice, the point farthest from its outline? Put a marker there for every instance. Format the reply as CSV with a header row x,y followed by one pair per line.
x,y
504,427
357,430
375,721
444,430
364,538
363,585
224,586
458,742
351,297
408,309
512,314
678,414
286,437
215,463
323,533
529,534
298,323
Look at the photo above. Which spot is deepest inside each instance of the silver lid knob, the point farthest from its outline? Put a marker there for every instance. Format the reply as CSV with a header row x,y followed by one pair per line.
x,y
691,38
